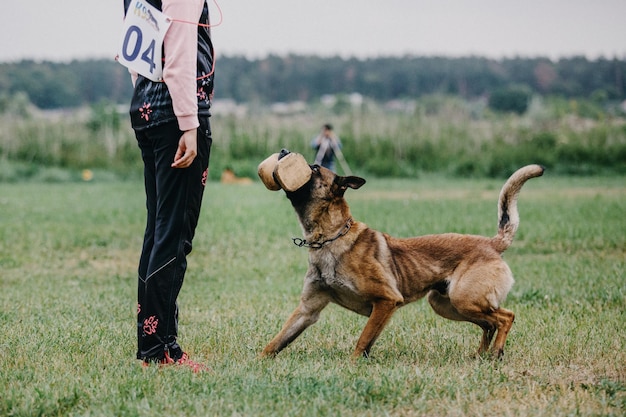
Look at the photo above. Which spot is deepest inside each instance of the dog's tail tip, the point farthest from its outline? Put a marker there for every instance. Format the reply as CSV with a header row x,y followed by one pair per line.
x,y
542,169
508,216
533,170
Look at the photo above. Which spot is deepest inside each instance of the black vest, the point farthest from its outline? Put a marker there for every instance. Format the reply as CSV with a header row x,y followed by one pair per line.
x,y
156,94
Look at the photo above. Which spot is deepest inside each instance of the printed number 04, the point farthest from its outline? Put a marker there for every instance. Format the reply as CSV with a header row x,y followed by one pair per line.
x,y
147,55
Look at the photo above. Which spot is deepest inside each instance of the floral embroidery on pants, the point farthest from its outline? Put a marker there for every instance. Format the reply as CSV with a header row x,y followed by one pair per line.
x,y
150,325
145,111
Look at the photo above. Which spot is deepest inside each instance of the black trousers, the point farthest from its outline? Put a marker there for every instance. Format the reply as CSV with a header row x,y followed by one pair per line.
x,y
173,200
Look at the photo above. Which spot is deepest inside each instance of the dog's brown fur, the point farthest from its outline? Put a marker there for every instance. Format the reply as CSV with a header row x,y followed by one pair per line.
x,y
374,274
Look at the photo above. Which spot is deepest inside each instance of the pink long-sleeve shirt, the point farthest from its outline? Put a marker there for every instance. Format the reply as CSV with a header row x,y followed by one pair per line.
x,y
181,49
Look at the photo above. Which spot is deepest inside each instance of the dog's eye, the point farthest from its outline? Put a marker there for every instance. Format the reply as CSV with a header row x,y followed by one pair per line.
x,y
315,168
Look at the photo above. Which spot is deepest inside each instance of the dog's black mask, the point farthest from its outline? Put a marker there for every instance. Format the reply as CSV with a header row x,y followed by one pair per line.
x,y
338,186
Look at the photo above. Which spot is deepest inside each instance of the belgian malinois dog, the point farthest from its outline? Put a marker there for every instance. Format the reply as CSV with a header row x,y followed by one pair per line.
x,y
373,274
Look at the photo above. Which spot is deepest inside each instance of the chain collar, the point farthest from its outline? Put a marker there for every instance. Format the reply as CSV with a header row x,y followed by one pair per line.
x,y
318,245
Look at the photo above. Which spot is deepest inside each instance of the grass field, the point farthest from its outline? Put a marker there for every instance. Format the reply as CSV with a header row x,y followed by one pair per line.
x,y
68,255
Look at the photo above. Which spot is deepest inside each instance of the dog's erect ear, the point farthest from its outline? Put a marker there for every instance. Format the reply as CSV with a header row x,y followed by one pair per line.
x,y
349,182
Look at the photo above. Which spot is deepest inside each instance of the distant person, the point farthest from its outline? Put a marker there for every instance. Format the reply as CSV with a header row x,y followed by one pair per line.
x,y
326,145
171,123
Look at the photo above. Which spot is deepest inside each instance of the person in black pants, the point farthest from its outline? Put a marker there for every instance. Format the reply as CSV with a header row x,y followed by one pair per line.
x,y
170,118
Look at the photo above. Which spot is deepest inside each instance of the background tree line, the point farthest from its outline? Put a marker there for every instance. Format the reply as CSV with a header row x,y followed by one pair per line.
x,y
457,116
51,85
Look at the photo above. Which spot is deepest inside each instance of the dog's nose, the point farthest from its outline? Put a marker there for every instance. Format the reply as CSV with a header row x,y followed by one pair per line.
x,y
283,153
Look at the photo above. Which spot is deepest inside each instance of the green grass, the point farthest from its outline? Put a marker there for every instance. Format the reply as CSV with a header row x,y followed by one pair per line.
x,y
68,255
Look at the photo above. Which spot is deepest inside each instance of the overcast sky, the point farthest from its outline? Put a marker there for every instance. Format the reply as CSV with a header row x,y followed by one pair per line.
x,y
77,29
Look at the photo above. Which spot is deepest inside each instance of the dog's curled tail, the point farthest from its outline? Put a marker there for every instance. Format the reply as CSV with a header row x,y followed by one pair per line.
x,y
508,216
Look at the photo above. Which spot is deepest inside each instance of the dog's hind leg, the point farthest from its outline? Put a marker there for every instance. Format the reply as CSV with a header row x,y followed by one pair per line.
x,y
477,296
381,313
442,306
497,322
306,314
504,322
488,333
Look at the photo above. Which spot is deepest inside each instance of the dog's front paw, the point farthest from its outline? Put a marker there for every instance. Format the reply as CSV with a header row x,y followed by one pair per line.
x,y
359,355
268,354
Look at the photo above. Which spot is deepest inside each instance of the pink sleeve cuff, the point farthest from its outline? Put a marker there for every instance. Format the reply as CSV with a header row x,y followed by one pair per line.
x,y
188,122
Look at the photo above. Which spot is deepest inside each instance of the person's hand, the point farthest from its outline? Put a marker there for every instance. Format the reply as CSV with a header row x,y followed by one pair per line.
x,y
187,149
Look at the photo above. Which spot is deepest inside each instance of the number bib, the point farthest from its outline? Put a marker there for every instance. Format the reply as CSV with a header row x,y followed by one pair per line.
x,y
143,32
